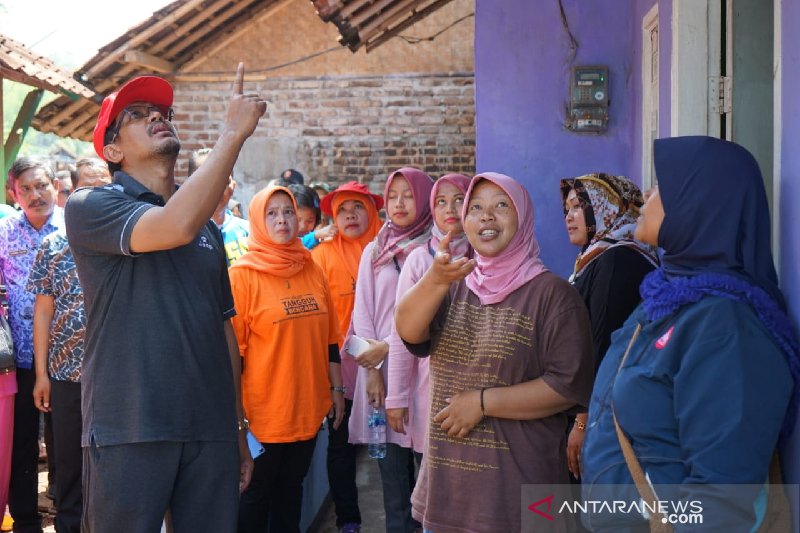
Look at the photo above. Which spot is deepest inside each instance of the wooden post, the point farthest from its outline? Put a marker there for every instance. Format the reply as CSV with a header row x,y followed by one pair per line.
x,y
21,125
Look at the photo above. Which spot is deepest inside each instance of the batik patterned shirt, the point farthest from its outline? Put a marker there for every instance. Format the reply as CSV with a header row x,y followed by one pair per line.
x,y
19,243
54,274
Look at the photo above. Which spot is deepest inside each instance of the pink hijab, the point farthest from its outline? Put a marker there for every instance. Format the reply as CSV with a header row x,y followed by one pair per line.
x,y
494,278
393,241
459,245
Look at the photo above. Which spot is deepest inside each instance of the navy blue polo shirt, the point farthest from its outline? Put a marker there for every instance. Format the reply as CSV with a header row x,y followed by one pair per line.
x,y
156,365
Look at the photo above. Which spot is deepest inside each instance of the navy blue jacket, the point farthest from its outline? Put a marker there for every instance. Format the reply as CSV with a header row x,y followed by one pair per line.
x,y
702,397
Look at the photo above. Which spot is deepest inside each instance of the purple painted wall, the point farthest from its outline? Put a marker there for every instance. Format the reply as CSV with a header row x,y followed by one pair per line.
x,y
522,62
522,68
790,193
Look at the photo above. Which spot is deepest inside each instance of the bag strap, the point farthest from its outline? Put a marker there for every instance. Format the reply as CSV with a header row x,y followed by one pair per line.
x,y
3,295
778,516
657,522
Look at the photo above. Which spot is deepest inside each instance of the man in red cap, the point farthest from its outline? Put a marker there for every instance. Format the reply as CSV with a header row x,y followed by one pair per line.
x,y
163,425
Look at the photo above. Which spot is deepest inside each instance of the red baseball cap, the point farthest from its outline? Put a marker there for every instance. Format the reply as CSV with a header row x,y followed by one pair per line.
x,y
326,204
150,89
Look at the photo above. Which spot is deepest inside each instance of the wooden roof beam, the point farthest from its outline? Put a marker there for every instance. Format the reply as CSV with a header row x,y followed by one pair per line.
x,y
86,115
150,61
186,28
85,132
107,83
381,22
369,12
141,37
209,28
327,9
203,54
353,6
371,45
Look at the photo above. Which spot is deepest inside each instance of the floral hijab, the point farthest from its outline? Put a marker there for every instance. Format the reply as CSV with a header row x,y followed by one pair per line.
x,y
610,208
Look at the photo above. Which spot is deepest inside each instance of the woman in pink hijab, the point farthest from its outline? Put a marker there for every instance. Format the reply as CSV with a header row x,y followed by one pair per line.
x,y
407,394
510,353
408,227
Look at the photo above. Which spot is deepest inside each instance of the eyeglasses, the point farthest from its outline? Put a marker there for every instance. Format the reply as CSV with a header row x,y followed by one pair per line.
x,y
65,192
137,112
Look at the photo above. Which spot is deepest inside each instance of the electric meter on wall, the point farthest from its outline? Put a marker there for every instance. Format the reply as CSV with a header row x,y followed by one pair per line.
x,y
588,108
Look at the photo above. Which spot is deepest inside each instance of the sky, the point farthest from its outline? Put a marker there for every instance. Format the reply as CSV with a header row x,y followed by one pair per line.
x,y
71,31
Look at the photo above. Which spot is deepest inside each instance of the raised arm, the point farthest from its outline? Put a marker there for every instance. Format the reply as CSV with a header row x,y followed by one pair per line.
x,y
417,308
178,222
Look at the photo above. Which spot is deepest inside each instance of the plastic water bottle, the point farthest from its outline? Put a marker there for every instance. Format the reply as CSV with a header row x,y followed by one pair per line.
x,y
376,423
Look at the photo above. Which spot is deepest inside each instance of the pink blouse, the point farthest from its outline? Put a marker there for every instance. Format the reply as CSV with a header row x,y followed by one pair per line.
x,y
373,317
409,384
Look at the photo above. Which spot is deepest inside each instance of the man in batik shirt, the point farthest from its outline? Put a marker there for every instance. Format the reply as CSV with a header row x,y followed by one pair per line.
x,y
31,184
59,325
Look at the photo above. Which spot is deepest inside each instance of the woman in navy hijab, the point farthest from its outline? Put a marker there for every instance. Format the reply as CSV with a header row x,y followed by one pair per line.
x,y
703,377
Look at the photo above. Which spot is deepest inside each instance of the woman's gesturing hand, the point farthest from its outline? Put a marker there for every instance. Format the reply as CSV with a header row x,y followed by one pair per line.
x,y
443,271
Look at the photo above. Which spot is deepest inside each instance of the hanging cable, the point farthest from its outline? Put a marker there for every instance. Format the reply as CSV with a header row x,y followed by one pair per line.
x,y
415,40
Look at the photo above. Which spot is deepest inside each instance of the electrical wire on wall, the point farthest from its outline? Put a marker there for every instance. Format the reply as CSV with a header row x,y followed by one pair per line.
x,y
416,40
573,42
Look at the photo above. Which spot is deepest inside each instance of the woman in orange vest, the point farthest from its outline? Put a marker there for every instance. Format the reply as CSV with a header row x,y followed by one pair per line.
x,y
355,213
288,337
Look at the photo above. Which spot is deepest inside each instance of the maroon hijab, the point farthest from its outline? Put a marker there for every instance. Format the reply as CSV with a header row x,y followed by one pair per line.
x,y
393,241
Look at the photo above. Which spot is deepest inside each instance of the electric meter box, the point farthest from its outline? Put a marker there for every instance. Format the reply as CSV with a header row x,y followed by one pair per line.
x,y
588,107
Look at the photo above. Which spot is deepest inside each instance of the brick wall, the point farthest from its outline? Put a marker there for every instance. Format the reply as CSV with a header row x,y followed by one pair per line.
x,y
340,128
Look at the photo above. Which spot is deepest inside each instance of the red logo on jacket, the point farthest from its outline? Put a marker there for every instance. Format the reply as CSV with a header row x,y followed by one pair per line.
x,y
664,339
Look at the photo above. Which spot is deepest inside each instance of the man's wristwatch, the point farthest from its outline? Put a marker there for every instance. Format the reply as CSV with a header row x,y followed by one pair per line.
x,y
339,389
244,424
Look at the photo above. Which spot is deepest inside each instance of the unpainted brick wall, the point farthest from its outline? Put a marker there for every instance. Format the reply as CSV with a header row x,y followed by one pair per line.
x,y
340,128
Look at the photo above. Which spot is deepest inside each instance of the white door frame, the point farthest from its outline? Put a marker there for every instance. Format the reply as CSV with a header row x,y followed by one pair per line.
x,y
777,136
650,100
695,39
